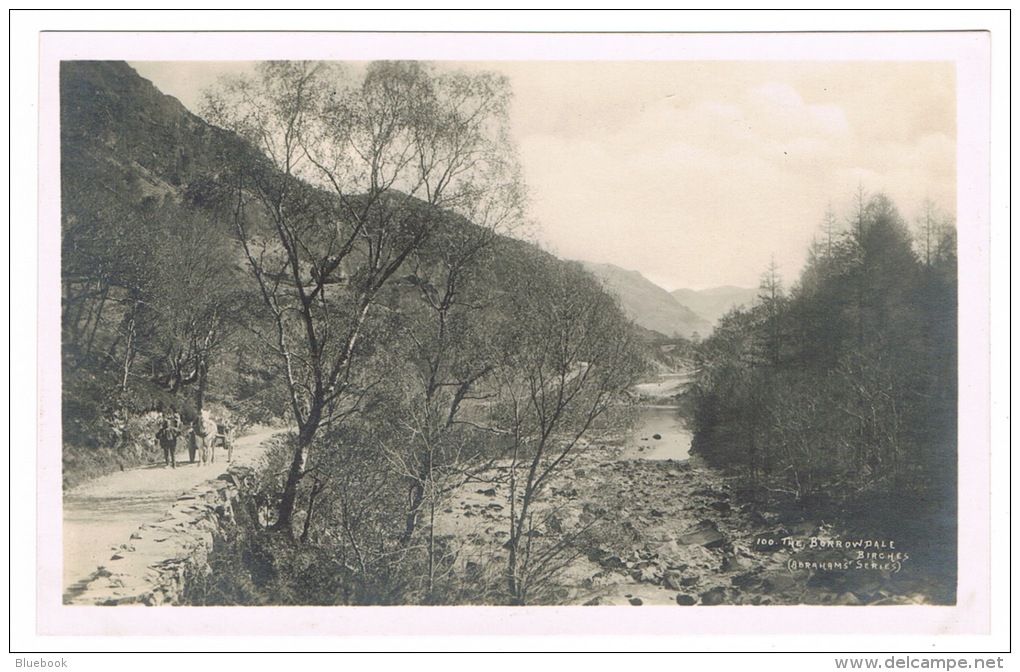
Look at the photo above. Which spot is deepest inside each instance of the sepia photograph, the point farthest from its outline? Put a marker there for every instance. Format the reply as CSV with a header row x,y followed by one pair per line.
x,y
397,321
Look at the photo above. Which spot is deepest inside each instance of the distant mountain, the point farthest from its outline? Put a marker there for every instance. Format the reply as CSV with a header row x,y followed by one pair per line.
x,y
649,305
713,303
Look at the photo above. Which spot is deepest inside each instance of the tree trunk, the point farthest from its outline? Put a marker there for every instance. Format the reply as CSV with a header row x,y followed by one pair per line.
x,y
316,489
432,546
297,470
203,374
416,499
129,354
513,585
95,325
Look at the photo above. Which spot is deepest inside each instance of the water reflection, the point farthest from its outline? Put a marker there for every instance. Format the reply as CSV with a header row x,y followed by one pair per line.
x,y
664,422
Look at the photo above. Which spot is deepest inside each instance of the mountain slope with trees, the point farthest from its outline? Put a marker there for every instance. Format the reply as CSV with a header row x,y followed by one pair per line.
x,y
152,298
340,259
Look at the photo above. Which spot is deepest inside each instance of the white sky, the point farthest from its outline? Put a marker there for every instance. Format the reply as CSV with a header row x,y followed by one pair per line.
x,y
697,172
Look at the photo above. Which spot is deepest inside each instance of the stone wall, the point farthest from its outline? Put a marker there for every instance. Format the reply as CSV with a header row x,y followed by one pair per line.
x,y
153,566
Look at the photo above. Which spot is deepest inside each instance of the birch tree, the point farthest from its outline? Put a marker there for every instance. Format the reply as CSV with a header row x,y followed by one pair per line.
x,y
361,168
566,360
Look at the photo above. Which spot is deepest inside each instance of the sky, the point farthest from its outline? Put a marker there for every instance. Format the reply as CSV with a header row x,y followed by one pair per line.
x,y
698,173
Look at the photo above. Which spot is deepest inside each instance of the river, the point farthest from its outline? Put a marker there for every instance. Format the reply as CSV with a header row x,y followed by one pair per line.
x,y
659,431
658,434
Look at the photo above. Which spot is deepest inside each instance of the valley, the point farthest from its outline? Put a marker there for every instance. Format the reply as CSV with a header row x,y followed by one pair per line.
x,y
479,421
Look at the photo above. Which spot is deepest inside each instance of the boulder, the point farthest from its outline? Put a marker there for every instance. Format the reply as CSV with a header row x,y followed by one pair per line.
x,y
847,599
673,580
714,596
745,581
780,583
705,533
735,563
709,492
647,574
686,600
614,562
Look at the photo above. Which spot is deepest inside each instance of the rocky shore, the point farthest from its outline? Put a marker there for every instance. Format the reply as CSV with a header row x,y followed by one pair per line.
x,y
614,531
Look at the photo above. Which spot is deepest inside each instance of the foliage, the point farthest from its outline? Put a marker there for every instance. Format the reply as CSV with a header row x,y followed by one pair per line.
x,y
396,150
847,385
151,304
566,354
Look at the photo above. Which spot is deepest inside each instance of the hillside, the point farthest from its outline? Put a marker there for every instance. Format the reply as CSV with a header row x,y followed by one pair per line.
x,y
157,298
149,272
649,305
712,304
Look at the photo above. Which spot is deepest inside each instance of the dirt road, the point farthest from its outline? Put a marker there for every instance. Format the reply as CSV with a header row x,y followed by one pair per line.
x,y
101,515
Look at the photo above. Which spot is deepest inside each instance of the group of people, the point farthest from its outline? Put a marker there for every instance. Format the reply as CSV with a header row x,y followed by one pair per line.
x,y
202,435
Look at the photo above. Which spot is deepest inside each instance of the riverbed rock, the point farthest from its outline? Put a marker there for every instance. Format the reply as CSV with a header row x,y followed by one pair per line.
x,y
673,580
714,596
847,599
706,533
711,493
647,574
780,583
735,563
803,529
685,600
614,562
746,581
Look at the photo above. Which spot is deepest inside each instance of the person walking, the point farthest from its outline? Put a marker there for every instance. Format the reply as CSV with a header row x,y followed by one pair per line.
x,y
225,433
167,437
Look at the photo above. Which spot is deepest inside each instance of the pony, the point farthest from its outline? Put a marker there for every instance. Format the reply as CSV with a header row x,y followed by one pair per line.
x,y
203,438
